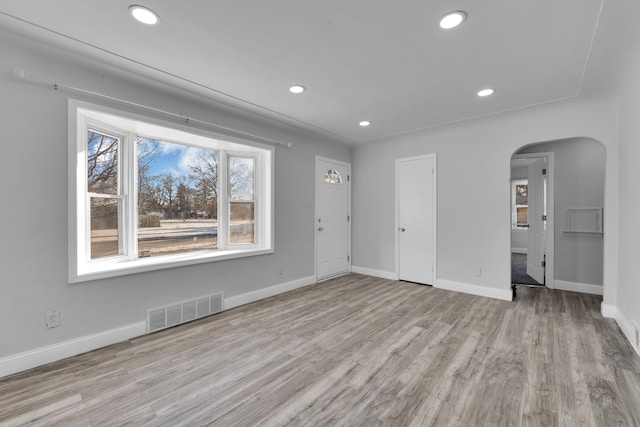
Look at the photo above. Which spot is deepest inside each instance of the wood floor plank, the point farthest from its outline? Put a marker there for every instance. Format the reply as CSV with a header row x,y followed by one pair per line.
x,y
352,351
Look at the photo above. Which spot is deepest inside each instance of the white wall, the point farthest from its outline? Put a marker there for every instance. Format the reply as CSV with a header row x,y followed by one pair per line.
x,y
473,190
578,183
33,264
614,75
519,241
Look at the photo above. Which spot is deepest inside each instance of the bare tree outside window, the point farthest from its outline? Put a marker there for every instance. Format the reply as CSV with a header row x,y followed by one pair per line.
x,y
102,182
102,163
162,193
177,198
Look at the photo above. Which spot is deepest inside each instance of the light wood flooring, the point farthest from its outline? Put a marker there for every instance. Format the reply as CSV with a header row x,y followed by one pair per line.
x,y
353,351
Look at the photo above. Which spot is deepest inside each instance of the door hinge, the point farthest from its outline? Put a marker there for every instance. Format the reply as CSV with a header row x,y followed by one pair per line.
x,y
348,218
348,258
543,263
348,177
544,217
544,171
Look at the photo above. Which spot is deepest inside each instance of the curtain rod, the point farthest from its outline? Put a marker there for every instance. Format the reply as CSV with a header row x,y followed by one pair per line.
x,y
21,73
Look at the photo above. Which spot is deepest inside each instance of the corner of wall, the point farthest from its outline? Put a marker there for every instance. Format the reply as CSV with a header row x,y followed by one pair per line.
x,y
628,328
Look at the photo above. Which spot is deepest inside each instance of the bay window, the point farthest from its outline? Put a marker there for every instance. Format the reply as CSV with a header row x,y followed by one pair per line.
x,y
146,194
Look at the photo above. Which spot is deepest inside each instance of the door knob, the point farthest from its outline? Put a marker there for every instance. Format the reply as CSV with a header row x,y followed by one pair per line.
x,y
320,228
401,229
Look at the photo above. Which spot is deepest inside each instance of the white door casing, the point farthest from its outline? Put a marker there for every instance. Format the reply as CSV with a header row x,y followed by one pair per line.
x,y
332,218
536,246
416,219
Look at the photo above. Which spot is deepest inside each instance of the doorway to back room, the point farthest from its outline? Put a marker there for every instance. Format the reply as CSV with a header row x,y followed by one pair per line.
x,y
557,199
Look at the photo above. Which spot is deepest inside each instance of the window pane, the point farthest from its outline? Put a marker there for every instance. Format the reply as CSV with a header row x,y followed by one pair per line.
x,y
241,178
104,227
241,222
332,176
522,215
102,163
241,204
522,194
177,198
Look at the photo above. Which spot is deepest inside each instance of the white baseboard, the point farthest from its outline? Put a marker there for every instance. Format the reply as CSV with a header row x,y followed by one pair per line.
x,y
585,288
608,310
375,273
467,288
519,250
246,298
51,353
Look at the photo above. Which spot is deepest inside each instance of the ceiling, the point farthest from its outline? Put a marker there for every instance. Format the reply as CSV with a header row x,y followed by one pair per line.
x,y
386,61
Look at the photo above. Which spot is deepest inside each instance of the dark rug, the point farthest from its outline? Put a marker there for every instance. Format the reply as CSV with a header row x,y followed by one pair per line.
x,y
519,270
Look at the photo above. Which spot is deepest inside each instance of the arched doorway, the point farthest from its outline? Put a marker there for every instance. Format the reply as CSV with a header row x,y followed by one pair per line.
x,y
569,214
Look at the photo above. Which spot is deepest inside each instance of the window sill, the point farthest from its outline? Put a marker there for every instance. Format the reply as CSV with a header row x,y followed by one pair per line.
x,y
102,271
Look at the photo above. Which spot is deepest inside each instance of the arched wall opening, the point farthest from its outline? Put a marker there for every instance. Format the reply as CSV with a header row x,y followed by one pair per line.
x,y
573,238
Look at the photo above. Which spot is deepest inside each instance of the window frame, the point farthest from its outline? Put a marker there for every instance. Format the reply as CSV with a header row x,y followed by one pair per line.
x,y
120,123
514,206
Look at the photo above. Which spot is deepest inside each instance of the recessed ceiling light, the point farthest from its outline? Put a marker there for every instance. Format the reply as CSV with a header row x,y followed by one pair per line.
x,y
486,92
364,123
452,19
144,15
296,89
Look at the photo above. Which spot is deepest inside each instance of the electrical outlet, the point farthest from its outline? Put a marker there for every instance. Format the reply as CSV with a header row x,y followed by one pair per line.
x,y
477,271
53,319
281,270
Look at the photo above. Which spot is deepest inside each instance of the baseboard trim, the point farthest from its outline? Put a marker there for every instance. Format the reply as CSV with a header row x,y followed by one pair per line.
x,y
608,310
375,273
519,250
585,288
41,356
467,288
248,297
625,324
52,353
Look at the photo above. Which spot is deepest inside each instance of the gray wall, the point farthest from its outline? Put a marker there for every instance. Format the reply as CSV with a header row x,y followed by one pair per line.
x,y
613,75
33,264
474,188
579,183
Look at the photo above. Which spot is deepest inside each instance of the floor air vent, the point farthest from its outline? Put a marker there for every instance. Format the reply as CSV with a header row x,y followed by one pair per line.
x,y
186,311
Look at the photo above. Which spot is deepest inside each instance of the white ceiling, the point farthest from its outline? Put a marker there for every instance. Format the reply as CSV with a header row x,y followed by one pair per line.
x,y
386,61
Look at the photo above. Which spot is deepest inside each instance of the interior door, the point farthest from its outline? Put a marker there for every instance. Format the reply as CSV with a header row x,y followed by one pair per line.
x,y
332,218
415,218
536,246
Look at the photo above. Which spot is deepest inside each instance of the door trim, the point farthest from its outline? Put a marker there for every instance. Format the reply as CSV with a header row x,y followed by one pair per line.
x,y
434,157
315,214
550,232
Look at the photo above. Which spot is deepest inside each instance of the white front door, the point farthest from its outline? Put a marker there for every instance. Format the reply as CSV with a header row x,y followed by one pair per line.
x,y
416,211
332,218
536,246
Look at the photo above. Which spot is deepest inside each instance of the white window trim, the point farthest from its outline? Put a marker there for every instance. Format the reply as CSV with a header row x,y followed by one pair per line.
x,y
81,268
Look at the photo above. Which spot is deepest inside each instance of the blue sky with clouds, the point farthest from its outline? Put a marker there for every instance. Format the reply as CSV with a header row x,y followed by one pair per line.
x,y
175,159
